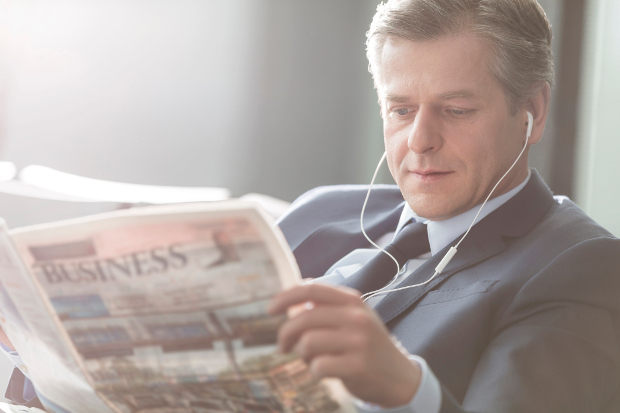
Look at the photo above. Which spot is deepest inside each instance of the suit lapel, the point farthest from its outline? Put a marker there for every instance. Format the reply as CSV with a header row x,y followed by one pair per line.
x,y
513,219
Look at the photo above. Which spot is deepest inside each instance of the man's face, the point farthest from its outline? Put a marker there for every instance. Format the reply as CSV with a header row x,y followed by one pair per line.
x,y
448,130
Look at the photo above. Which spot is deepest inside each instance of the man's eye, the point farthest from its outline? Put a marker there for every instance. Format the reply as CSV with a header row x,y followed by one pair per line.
x,y
458,112
402,111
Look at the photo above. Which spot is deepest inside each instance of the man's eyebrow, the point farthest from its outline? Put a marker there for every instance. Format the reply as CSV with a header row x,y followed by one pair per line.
x,y
457,94
396,98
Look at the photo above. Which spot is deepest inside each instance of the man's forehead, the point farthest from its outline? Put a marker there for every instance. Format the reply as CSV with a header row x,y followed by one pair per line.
x,y
447,68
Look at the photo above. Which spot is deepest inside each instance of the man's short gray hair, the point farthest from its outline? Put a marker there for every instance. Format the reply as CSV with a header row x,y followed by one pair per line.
x,y
518,32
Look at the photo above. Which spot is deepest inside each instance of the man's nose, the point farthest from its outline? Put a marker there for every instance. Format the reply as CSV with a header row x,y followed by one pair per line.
x,y
424,136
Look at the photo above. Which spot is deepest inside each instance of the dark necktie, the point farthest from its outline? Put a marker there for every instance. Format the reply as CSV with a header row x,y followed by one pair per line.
x,y
410,242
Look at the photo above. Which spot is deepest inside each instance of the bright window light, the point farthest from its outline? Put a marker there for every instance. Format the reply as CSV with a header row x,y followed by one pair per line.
x,y
107,191
7,171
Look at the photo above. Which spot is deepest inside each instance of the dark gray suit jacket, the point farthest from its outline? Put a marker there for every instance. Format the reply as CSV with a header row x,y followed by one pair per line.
x,y
525,318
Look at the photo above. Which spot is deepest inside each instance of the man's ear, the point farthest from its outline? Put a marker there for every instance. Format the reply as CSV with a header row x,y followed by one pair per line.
x,y
538,105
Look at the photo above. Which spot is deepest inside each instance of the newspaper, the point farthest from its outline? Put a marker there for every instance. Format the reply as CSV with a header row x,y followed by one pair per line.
x,y
156,309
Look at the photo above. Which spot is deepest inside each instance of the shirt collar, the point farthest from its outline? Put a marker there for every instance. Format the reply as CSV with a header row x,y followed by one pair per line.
x,y
442,233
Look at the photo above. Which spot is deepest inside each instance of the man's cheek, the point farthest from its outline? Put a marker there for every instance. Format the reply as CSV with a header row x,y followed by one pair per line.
x,y
393,166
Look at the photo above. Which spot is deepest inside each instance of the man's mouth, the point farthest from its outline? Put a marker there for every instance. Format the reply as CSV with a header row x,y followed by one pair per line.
x,y
430,175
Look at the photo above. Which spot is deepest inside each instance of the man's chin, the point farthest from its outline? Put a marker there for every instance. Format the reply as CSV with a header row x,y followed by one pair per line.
x,y
432,207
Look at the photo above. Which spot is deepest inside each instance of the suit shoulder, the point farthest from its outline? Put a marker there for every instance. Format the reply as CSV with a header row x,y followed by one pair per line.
x,y
327,205
348,193
568,220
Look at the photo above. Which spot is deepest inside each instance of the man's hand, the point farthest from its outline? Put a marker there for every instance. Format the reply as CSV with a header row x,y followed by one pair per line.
x,y
339,336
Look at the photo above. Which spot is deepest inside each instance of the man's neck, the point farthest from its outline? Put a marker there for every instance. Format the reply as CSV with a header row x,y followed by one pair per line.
x,y
442,233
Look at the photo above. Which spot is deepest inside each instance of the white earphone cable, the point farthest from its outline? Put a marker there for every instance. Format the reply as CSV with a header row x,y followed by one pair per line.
x,y
362,225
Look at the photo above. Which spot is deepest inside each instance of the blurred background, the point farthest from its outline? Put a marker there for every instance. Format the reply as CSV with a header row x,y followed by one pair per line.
x,y
266,96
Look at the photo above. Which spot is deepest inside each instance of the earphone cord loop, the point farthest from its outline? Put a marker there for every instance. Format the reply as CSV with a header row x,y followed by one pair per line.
x,y
364,232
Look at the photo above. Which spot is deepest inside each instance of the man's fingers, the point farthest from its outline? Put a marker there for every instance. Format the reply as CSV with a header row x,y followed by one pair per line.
x,y
335,365
320,342
320,317
316,293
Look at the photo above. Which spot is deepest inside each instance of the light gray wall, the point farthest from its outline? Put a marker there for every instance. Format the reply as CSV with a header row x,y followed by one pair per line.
x,y
263,96
317,106
598,168
160,92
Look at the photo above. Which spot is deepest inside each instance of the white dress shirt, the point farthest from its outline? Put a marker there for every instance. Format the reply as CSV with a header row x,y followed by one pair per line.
x,y
427,398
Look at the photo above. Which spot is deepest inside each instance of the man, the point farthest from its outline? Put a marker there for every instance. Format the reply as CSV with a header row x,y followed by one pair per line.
x,y
526,316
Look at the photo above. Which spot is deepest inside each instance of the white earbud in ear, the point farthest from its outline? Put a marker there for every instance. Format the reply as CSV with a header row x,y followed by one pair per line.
x,y
530,124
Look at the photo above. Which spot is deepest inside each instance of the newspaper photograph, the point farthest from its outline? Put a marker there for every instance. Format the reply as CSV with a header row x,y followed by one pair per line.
x,y
166,312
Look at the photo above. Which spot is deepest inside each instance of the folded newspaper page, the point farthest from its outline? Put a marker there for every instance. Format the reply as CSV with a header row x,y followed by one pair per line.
x,y
156,309
9,408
